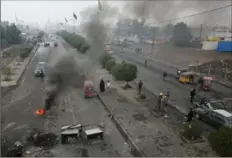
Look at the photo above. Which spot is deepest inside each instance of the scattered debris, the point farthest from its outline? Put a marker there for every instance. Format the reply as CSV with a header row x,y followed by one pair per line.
x,y
45,139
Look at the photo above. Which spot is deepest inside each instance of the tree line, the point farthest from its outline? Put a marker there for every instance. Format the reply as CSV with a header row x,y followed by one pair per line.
x,y
10,35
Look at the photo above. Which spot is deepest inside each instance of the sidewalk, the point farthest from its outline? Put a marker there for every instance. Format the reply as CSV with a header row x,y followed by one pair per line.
x,y
153,136
17,70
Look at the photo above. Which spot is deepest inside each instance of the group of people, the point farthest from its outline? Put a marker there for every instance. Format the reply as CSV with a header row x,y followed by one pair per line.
x,y
102,85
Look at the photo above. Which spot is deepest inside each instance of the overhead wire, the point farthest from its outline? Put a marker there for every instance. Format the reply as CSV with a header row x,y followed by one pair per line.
x,y
188,16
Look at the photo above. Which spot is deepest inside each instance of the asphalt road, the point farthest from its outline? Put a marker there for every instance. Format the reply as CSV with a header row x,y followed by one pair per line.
x,y
159,67
19,105
151,77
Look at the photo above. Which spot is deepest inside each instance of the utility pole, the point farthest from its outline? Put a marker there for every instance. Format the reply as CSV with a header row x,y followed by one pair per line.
x,y
201,31
153,39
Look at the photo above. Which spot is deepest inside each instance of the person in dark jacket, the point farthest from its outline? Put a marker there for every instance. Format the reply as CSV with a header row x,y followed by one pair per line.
x,y
41,75
160,101
192,95
164,75
140,85
102,86
190,115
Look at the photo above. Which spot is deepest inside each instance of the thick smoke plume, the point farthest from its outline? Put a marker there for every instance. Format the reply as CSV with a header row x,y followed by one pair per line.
x,y
64,72
154,11
95,25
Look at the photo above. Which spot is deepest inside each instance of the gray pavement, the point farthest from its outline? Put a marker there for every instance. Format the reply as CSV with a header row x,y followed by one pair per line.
x,y
18,112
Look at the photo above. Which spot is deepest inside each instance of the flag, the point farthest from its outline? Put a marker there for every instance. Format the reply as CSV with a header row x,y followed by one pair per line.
x,y
99,6
74,15
66,20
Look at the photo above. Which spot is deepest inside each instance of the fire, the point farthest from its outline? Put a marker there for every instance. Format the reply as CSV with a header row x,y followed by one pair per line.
x,y
40,112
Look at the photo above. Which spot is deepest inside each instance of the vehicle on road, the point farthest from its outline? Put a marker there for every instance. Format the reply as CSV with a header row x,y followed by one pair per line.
x,y
89,91
187,77
138,50
180,71
217,118
121,50
46,44
55,44
205,83
40,65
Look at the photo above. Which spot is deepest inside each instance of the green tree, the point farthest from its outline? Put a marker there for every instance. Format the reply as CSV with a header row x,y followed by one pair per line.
x,y
110,63
125,72
9,35
104,59
84,48
181,35
221,142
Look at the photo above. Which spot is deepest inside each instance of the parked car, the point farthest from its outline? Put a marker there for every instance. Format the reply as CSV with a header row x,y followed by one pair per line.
x,y
46,44
40,65
217,118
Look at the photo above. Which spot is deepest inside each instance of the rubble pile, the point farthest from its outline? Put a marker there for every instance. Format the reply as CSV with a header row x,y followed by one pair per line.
x,y
46,140
217,68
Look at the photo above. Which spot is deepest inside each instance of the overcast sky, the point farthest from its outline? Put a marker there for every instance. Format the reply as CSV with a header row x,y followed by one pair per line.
x,y
40,11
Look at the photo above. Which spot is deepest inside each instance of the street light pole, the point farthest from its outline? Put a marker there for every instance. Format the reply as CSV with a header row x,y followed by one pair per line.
x,y
153,38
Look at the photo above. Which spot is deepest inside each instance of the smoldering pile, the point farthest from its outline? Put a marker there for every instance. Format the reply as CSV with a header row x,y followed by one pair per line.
x,y
64,73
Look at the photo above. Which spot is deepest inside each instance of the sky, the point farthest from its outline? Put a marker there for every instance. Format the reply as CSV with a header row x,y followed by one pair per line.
x,y
32,12
41,11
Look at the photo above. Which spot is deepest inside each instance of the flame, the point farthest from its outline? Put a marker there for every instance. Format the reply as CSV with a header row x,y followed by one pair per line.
x,y
39,111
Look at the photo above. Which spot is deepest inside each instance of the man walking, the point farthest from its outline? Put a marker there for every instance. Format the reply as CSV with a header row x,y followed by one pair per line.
x,y
140,85
192,95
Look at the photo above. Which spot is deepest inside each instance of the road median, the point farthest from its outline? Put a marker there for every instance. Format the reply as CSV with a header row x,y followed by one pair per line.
x,y
15,71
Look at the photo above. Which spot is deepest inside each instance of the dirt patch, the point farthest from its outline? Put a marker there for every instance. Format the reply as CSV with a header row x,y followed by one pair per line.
x,y
218,68
139,117
45,140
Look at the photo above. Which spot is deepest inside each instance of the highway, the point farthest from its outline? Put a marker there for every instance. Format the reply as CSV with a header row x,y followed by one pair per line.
x,y
151,77
19,119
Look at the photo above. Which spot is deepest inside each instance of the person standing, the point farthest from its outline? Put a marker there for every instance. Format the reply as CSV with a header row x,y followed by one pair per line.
x,y
108,85
159,101
140,85
164,75
190,115
41,75
145,63
102,86
192,95
164,103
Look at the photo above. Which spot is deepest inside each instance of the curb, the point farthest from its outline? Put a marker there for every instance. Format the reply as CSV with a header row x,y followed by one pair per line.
x,y
32,52
136,152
